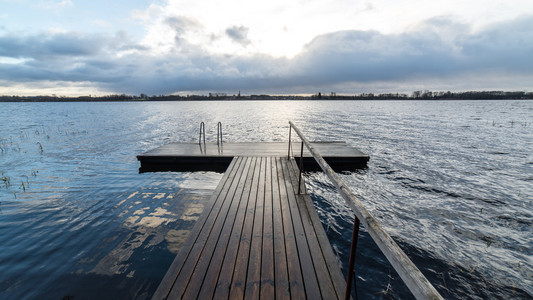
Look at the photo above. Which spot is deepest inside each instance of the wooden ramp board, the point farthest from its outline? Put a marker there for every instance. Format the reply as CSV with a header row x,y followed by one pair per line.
x,y
257,239
212,157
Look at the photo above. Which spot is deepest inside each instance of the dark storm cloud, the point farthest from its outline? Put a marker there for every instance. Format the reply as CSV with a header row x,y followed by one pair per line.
x,y
506,45
60,45
64,46
161,76
370,56
65,57
438,48
238,34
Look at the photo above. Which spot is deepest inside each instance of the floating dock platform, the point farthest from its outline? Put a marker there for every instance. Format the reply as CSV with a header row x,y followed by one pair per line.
x,y
212,157
258,238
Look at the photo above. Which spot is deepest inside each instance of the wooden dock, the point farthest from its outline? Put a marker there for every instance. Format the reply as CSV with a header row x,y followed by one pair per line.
x,y
212,157
256,239
261,238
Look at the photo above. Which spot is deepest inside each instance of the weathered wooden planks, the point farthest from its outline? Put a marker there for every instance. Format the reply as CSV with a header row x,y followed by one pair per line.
x,y
324,262
257,240
177,265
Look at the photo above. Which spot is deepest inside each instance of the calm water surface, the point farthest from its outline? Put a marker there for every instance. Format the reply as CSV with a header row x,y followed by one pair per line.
x,y
452,182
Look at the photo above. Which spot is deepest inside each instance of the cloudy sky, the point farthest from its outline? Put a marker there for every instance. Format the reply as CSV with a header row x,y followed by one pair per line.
x,y
71,47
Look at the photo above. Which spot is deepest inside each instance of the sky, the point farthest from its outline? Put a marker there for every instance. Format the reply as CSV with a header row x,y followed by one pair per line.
x,y
70,47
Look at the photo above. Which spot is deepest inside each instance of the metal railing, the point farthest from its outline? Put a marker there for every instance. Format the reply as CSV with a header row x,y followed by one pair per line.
x,y
202,133
201,138
410,274
219,133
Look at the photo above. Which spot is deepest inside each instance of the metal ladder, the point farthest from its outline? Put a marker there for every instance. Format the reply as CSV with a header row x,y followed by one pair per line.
x,y
201,137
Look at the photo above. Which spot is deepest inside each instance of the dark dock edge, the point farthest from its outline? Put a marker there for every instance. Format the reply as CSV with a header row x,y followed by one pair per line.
x,y
184,163
221,163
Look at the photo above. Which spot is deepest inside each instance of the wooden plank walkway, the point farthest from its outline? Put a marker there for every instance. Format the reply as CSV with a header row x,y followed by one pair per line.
x,y
208,157
257,239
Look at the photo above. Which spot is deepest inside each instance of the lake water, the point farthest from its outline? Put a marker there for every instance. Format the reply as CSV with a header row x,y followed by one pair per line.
x,y
451,181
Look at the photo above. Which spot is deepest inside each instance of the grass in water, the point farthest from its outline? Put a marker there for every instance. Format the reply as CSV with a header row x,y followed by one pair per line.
x,y
5,180
40,147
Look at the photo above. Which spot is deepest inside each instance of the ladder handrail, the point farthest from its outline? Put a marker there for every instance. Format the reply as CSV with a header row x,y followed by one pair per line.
x,y
410,274
202,130
219,132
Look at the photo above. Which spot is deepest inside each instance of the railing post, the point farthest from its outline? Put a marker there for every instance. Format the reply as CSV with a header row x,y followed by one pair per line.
x,y
301,167
289,153
351,262
202,129
219,133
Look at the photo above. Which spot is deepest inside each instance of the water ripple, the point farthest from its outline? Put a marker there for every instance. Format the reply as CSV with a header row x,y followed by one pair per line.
x,y
450,181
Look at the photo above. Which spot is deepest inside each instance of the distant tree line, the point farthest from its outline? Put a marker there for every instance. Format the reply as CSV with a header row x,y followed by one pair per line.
x,y
430,95
416,95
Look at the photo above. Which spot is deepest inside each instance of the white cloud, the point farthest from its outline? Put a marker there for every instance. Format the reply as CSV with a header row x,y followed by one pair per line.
x,y
55,5
434,55
60,88
12,60
282,28
65,3
278,46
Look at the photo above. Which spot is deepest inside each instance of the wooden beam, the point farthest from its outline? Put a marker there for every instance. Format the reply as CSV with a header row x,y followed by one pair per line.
x,y
410,274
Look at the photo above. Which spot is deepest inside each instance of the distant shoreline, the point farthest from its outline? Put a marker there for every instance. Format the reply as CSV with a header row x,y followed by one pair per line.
x,y
417,95
248,100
